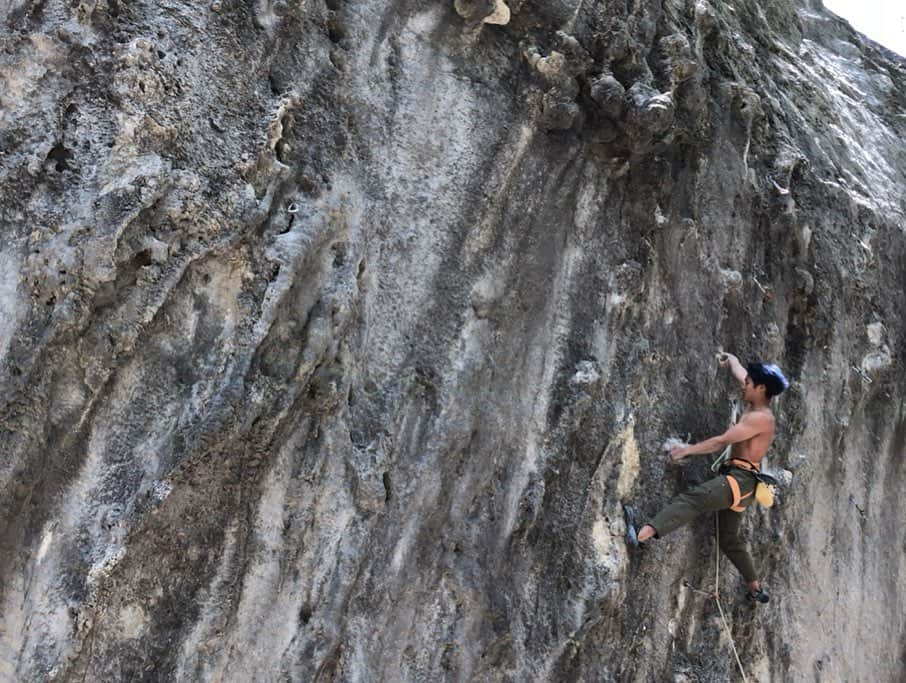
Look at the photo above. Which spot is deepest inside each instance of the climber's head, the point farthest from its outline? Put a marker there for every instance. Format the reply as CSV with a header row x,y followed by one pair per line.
x,y
764,379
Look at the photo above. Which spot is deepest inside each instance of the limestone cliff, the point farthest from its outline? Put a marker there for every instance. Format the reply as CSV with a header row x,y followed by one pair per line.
x,y
335,332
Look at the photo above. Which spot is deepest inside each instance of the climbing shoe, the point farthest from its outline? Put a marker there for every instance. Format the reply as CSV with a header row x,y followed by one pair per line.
x,y
632,536
758,596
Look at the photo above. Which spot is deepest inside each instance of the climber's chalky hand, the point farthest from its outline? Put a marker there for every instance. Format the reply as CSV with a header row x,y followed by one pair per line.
x,y
677,453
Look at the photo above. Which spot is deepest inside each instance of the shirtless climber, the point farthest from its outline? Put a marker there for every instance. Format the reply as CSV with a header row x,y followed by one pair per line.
x,y
731,492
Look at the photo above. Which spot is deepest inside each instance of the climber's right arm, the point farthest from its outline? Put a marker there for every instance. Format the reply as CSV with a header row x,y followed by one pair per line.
x,y
739,372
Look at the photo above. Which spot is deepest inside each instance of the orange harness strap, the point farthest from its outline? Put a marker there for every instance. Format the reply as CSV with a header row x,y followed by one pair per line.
x,y
744,464
737,495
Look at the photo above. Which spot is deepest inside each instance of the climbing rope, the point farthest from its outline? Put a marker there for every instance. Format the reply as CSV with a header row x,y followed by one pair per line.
x,y
715,466
717,597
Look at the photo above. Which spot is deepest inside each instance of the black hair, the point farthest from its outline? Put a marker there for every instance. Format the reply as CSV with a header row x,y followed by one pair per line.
x,y
768,376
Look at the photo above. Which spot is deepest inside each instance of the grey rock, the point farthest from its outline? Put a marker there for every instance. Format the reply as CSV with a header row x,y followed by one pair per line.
x,y
730,279
875,332
558,111
321,359
805,281
608,92
706,21
875,361
678,59
474,10
649,112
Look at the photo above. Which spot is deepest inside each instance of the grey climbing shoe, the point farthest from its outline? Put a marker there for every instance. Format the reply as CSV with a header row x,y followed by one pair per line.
x,y
632,536
758,596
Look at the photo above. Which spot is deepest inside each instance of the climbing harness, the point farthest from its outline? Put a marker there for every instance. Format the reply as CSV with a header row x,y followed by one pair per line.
x,y
765,489
724,460
738,497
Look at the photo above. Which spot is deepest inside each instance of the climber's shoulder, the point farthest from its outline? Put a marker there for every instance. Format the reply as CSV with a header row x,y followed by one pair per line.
x,y
761,416
759,421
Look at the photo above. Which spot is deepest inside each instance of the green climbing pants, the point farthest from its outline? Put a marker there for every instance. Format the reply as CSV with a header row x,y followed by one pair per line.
x,y
715,495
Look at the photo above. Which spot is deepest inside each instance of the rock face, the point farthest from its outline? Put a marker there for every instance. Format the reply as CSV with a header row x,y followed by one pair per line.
x,y
335,333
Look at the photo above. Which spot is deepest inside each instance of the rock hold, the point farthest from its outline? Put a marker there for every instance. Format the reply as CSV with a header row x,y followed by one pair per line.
x,y
730,279
805,282
157,251
678,60
609,93
553,69
484,11
875,332
558,112
789,161
650,112
474,10
500,16
706,21
569,42
559,109
586,373
744,102
876,360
